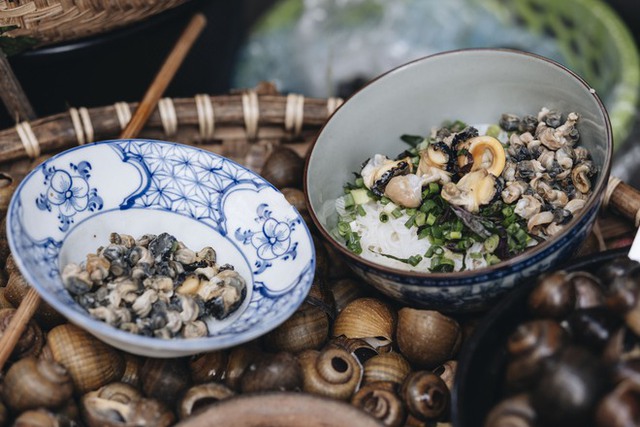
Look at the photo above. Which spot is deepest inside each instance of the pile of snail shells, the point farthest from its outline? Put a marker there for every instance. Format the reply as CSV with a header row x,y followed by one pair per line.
x,y
576,360
345,341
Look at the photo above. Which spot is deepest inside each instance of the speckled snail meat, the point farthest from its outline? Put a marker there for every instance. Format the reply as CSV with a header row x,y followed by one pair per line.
x,y
155,286
467,197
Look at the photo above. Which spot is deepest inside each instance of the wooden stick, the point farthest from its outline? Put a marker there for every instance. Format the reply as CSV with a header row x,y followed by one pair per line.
x,y
164,76
31,300
12,94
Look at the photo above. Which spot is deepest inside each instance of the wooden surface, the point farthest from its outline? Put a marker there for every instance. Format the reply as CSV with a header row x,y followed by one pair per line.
x,y
281,409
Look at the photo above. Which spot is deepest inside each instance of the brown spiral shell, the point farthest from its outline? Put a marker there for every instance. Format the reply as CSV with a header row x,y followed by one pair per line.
x,y
307,328
210,366
381,400
201,396
132,366
273,372
90,362
346,290
513,411
283,168
331,372
369,319
426,396
388,367
31,383
240,358
16,289
427,338
165,379
31,340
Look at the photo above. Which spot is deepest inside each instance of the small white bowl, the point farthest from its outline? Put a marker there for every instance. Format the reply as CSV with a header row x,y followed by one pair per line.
x,y
68,206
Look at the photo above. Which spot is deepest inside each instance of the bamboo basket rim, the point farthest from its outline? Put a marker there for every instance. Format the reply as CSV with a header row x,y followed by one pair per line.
x,y
56,21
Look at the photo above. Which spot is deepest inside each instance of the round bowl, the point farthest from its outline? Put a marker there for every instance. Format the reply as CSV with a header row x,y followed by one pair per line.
x,y
475,86
68,206
483,357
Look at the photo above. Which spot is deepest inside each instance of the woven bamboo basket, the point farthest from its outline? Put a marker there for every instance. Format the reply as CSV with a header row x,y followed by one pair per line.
x,y
248,126
53,21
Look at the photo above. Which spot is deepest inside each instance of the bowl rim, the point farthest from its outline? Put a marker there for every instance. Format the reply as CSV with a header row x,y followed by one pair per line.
x,y
113,335
593,202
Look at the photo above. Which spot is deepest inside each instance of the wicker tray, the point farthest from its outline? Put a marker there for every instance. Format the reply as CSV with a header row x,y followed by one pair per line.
x,y
55,21
248,127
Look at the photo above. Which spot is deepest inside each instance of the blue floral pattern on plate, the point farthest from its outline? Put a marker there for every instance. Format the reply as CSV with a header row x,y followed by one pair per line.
x,y
147,182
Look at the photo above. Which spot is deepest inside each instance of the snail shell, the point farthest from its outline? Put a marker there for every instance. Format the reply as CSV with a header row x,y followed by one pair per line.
x,y
210,366
283,168
272,372
17,288
132,366
360,349
307,328
40,418
369,319
200,396
332,372
118,392
514,411
4,302
165,379
240,358
7,187
90,362
10,266
346,290
553,296
426,396
5,251
426,337
31,383
447,371
381,401
295,197
4,415
105,410
528,346
31,340
389,367
619,407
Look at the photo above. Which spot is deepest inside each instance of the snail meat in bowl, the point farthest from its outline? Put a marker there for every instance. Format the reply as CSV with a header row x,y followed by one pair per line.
x,y
72,203
463,198
474,86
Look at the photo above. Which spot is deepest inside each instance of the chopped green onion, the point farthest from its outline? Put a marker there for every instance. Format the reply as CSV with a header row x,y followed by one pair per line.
x,y
410,211
431,219
494,131
454,235
441,264
420,218
360,210
434,250
348,200
492,259
384,217
397,213
359,182
434,188
344,228
385,200
491,244
428,205
360,196
411,221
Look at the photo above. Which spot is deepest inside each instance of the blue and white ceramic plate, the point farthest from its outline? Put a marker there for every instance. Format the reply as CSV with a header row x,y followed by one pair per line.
x,y
69,205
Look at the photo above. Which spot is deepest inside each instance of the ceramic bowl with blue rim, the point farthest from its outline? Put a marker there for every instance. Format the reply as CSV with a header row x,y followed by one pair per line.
x,y
68,206
475,86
